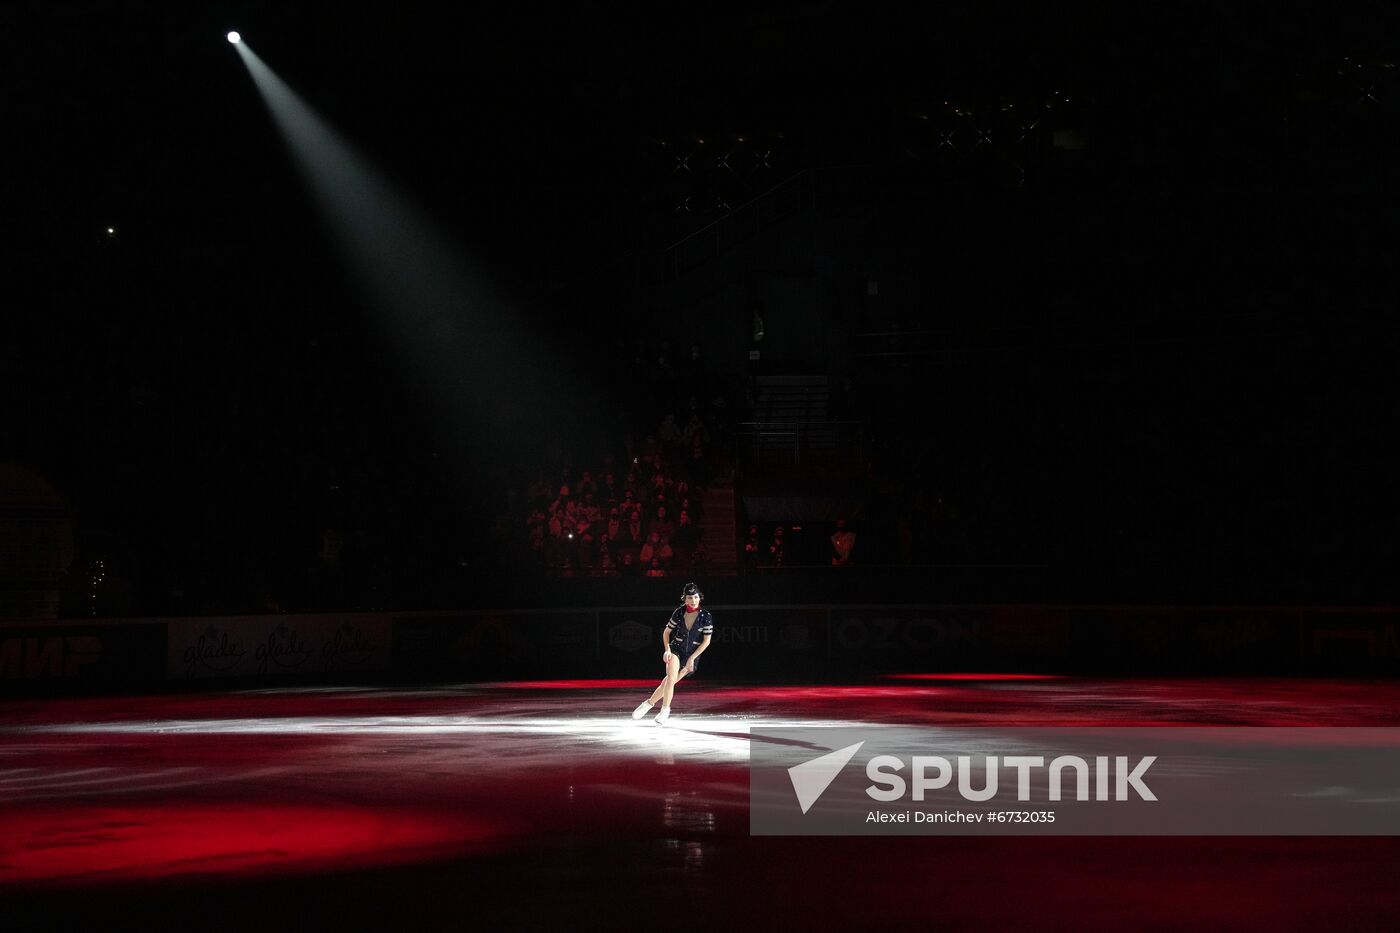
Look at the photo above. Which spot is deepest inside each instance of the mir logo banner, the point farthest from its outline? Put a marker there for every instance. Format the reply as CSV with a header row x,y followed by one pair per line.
x,y
891,780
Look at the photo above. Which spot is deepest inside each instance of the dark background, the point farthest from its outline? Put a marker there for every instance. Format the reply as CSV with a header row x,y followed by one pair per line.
x,y
1163,333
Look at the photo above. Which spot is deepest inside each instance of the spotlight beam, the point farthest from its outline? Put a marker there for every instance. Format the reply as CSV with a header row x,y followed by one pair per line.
x,y
454,325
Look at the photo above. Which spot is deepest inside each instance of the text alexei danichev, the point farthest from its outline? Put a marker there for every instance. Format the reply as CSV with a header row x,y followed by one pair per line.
x,y
920,816
958,816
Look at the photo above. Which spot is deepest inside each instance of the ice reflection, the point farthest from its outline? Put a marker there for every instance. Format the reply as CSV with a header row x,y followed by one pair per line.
x,y
687,812
689,853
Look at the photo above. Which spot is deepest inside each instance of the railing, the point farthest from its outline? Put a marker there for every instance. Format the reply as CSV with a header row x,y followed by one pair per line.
x,y
719,236
791,442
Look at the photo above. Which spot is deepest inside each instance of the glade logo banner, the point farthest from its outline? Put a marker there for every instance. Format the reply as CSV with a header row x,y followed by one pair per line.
x,y
348,646
632,636
213,650
889,780
259,646
282,650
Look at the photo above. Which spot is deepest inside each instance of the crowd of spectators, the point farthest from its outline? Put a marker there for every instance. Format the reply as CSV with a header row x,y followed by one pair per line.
x,y
627,508
635,512
619,507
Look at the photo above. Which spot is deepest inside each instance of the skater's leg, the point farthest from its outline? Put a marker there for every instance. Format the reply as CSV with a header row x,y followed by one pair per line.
x,y
668,685
660,690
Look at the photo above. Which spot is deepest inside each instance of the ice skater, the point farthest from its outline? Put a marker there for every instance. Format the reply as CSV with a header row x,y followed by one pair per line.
x,y
685,637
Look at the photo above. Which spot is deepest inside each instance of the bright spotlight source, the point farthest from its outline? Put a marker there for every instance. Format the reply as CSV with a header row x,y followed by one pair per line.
x,y
234,37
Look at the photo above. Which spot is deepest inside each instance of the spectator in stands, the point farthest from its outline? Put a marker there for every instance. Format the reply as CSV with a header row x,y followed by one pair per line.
x,y
719,417
538,489
561,500
586,486
632,486
697,467
695,369
666,553
751,549
583,540
669,434
687,536
695,428
614,526
685,506
655,569
590,509
843,542
633,538
658,501
662,523
650,548
775,550
629,567
559,547
537,526
700,559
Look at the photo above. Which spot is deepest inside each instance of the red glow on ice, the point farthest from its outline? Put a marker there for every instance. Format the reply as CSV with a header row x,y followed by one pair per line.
x,y
812,694
578,684
966,676
90,844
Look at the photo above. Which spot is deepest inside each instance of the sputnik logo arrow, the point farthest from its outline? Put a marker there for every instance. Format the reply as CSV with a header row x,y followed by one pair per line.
x,y
811,778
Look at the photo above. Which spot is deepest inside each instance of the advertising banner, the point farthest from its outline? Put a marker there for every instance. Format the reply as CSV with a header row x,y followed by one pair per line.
x,y
75,653
495,644
900,637
1125,639
1347,640
747,642
272,646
